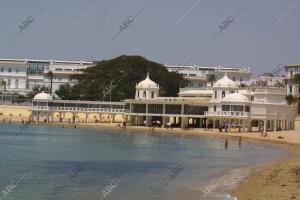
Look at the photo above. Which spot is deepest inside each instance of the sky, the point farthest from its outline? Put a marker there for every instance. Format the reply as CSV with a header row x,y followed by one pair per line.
x,y
261,34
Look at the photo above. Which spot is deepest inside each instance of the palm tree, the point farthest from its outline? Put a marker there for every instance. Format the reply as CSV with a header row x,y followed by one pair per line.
x,y
290,99
211,78
50,74
3,83
242,85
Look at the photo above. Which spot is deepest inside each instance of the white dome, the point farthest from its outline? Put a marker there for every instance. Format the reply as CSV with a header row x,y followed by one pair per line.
x,y
43,96
236,97
147,83
225,82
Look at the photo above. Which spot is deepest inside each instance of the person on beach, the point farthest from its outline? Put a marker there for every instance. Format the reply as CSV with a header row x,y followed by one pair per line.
x,y
226,144
240,142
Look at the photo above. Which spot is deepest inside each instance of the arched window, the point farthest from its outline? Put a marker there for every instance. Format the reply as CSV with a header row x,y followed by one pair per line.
x,y
144,94
223,94
152,95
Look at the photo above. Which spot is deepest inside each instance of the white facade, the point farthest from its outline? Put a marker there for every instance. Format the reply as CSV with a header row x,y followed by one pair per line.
x,y
196,75
266,106
14,73
224,105
23,74
147,89
290,71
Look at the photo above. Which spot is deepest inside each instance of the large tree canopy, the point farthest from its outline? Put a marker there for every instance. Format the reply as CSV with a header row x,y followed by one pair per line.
x,y
119,75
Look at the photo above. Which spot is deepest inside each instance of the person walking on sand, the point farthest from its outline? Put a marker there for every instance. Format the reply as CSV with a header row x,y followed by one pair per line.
x,y
226,144
240,142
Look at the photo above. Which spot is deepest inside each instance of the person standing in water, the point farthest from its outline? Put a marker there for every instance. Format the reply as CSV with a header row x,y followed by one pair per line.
x,y
240,142
226,144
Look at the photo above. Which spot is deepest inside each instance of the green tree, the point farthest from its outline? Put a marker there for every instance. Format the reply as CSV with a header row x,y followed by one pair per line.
x,y
50,75
296,80
3,84
290,99
211,78
279,84
242,85
37,89
119,75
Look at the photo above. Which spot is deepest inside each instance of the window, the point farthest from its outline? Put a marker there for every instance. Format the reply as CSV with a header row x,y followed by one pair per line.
x,y
17,70
216,94
144,94
17,83
152,95
2,70
291,89
252,98
223,94
9,69
291,73
232,91
8,83
247,109
225,107
233,78
241,79
215,108
138,94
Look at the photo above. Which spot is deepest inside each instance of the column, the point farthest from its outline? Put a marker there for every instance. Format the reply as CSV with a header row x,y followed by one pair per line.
x,y
275,125
38,117
148,121
244,124
47,116
265,126
249,126
86,117
164,121
184,122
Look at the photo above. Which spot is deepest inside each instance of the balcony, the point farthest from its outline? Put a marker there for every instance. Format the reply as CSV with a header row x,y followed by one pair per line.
x,y
226,114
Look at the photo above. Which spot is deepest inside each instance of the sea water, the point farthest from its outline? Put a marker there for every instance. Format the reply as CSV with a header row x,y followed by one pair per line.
x,y
51,162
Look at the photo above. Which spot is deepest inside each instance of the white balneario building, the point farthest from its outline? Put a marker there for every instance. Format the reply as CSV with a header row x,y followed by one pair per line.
x,y
227,107
262,109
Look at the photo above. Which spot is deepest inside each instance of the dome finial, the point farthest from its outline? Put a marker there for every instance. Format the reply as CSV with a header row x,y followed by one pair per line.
x,y
147,74
225,74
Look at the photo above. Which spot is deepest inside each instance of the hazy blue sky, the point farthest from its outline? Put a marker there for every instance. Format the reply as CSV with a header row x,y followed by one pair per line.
x,y
264,35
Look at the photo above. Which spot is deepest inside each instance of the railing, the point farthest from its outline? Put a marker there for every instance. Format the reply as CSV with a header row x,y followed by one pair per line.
x,y
192,88
227,113
50,108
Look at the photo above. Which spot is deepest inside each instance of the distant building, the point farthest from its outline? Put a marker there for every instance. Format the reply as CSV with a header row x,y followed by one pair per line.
x,y
14,73
290,71
290,86
267,79
21,75
197,75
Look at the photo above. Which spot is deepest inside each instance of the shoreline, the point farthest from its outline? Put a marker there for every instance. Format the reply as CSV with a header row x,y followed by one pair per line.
x,y
276,180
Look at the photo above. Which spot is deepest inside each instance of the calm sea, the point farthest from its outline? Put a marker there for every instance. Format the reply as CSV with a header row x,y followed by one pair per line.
x,y
64,163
